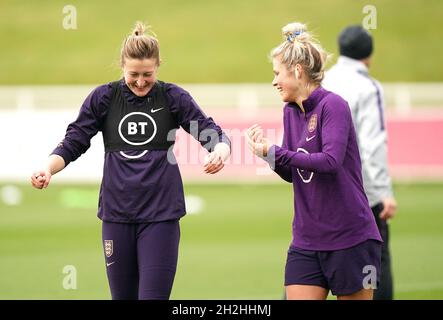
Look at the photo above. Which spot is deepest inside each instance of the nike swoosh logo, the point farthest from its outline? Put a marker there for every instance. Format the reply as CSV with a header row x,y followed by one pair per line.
x,y
108,264
155,110
309,139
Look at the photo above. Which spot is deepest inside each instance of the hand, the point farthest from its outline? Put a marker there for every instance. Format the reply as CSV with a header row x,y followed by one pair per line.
x,y
255,133
389,209
40,179
256,142
213,163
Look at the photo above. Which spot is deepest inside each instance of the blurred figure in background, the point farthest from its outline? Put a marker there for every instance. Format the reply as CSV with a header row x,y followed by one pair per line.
x,y
349,78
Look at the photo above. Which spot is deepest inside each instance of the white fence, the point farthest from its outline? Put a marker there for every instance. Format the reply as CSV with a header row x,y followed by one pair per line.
x,y
401,97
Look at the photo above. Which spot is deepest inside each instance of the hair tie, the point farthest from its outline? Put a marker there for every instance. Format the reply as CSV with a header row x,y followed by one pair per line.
x,y
293,35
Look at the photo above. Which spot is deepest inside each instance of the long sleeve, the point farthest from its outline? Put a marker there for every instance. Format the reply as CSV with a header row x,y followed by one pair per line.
x,y
350,79
371,135
79,133
194,121
336,123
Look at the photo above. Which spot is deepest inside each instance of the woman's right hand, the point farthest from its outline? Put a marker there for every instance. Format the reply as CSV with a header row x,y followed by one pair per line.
x,y
255,133
258,144
40,179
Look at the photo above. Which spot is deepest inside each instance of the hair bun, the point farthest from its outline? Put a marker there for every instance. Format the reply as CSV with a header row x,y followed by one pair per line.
x,y
141,44
294,31
139,29
300,47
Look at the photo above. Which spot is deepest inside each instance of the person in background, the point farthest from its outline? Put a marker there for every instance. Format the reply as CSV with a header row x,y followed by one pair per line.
x,y
349,78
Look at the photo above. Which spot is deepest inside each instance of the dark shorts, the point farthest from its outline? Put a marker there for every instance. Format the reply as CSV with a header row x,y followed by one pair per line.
x,y
344,272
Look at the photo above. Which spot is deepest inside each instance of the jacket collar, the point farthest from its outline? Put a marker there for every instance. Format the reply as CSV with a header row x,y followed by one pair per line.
x,y
356,65
312,101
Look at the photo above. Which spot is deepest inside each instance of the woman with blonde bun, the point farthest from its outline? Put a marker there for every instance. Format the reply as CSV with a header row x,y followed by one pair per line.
x,y
141,196
336,245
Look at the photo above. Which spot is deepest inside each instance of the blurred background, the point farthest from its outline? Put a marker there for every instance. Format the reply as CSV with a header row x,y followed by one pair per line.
x,y
238,227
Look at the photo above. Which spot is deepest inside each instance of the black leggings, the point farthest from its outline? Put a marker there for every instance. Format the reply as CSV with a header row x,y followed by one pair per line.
x,y
141,259
385,288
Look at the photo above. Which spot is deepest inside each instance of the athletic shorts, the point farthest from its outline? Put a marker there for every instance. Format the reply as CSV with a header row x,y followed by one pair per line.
x,y
344,271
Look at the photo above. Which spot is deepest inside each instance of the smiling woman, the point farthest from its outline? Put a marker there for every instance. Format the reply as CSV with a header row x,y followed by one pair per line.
x,y
140,75
335,237
140,59
141,198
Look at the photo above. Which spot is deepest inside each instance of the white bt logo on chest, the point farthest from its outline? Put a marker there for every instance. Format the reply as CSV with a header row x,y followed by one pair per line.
x,y
137,128
133,127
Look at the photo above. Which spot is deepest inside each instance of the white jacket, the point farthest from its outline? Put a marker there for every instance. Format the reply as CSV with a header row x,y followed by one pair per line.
x,y
349,78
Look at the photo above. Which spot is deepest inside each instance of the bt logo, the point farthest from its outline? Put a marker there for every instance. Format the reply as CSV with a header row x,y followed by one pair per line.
x,y
137,128
133,127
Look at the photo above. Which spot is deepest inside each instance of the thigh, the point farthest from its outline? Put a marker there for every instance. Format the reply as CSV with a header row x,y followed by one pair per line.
x,y
157,252
304,277
306,292
121,259
363,294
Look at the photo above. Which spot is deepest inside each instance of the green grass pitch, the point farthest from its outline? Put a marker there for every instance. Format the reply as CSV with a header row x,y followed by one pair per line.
x,y
235,248
208,41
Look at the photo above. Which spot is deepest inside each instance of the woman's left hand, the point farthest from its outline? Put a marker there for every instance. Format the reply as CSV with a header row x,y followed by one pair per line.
x,y
213,163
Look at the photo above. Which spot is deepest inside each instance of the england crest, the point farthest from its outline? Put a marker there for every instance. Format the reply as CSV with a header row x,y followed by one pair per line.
x,y
109,248
312,125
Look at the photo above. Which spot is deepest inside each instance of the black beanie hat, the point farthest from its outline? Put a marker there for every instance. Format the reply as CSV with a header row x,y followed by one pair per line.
x,y
355,42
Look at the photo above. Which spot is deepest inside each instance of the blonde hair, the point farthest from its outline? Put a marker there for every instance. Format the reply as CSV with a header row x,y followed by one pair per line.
x,y
300,47
139,45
